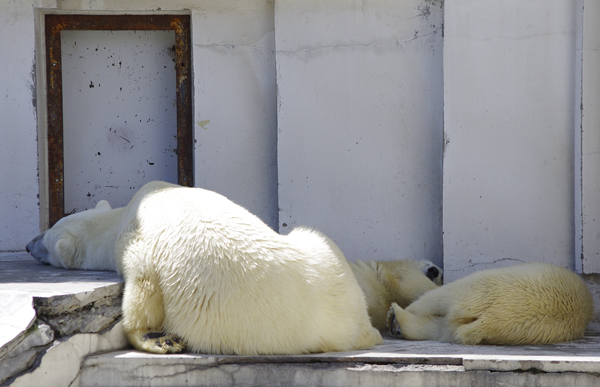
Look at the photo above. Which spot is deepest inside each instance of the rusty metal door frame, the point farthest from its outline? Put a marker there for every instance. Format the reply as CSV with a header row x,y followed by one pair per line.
x,y
54,24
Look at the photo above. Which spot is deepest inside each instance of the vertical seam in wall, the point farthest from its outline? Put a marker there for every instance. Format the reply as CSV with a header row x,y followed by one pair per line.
x,y
445,139
277,104
578,141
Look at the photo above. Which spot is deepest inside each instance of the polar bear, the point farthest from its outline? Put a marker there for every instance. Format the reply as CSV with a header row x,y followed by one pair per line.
x,y
205,274
401,281
534,303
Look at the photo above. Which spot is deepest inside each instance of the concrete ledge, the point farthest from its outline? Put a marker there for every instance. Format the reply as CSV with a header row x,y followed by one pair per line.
x,y
331,374
51,318
577,356
60,327
27,286
377,368
590,364
396,362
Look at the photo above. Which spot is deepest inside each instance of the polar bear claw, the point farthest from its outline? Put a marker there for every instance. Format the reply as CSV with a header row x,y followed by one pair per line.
x,y
160,342
392,323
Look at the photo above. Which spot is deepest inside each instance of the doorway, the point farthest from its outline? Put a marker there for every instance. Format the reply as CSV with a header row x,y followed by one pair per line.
x,y
119,107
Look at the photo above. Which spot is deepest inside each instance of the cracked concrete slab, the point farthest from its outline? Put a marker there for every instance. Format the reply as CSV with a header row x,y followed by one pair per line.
x,y
61,364
39,304
24,282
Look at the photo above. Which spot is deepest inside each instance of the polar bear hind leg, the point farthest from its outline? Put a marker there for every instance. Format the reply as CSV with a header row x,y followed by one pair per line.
x,y
143,315
469,330
410,326
143,304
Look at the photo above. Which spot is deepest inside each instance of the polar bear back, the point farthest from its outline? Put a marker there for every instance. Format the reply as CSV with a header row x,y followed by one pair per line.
x,y
242,279
521,304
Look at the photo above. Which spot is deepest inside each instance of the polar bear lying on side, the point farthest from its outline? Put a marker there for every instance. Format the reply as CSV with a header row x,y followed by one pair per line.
x,y
400,281
202,272
535,303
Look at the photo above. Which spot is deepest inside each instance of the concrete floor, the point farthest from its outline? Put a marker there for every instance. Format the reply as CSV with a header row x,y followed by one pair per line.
x,y
392,363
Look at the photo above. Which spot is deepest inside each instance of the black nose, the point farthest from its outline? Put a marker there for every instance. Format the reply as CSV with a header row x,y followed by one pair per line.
x,y
432,273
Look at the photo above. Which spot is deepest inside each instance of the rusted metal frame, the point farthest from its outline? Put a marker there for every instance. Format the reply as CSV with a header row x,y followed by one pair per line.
x,y
54,24
183,76
55,123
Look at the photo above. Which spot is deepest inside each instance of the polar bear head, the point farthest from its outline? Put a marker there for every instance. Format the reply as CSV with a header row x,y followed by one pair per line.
x,y
78,241
401,281
407,280
431,271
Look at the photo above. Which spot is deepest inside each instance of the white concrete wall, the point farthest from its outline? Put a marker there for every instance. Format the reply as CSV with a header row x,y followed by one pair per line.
x,y
360,124
234,95
352,142
589,243
509,81
119,114
19,214
235,104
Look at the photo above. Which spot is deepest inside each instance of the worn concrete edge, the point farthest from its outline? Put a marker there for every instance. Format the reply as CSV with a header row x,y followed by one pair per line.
x,y
585,364
324,374
42,297
54,306
212,360
73,301
13,337
59,363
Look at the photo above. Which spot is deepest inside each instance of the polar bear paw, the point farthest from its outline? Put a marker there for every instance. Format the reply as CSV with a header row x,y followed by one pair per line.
x,y
160,342
392,323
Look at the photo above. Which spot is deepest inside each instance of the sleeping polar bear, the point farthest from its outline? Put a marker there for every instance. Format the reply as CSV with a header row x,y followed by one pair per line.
x,y
534,303
387,282
202,272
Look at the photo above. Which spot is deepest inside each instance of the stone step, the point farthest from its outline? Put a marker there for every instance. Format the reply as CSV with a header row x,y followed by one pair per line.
x,y
378,367
396,362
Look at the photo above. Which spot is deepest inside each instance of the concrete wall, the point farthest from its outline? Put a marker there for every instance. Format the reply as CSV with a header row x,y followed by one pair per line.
x,y
509,108
235,104
119,114
587,230
360,124
332,115
19,212
370,144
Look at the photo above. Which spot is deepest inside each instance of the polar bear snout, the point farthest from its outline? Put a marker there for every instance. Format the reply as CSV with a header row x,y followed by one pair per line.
x,y
432,273
38,250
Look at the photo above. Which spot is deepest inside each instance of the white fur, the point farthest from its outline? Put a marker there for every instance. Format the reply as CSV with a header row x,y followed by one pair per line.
x,y
80,241
385,282
203,269
535,303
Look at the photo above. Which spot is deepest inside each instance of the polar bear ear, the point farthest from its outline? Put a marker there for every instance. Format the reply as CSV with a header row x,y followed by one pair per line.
x,y
103,205
66,250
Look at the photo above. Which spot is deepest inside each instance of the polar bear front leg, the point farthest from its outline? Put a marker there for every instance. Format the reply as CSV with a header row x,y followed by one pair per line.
x,y
143,316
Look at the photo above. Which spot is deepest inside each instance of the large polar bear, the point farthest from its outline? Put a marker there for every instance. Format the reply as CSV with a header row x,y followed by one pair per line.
x,y
202,272
535,303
